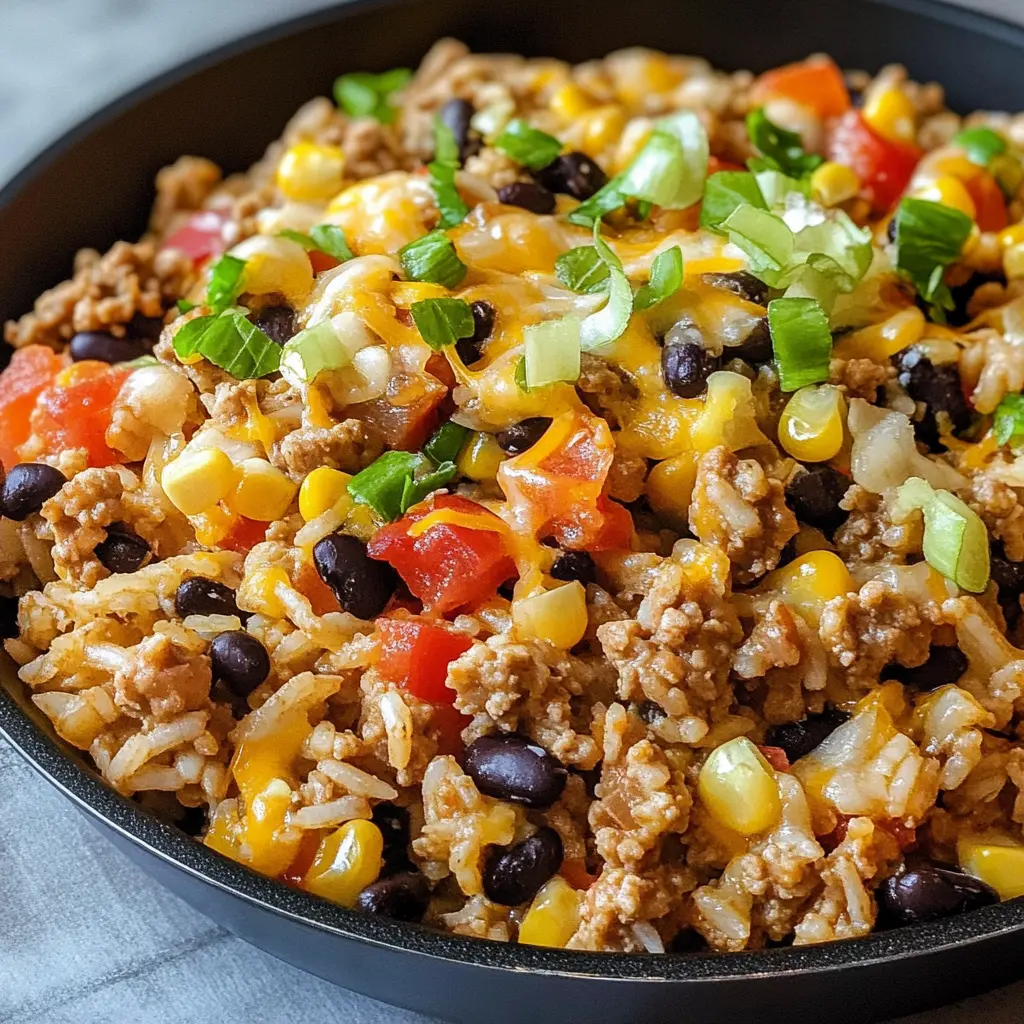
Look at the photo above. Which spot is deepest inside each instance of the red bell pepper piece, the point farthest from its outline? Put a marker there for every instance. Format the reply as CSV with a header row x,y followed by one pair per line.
x,y
200,237
415,653
30,370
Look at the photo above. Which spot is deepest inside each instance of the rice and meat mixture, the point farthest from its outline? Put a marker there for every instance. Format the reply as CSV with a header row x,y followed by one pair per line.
x,y
580,506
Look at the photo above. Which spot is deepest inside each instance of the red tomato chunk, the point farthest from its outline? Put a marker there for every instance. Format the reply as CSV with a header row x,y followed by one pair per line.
x,y
30,370
201,237
884,167
416,652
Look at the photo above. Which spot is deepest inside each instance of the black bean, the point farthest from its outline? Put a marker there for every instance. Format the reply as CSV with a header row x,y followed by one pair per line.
x,y
944,665
756,347
513,874
361,585
404,897
471,349
515,768
575,565
105,347
192,821
522,435
741,283
27,486
240,661
650,713
938,387
926,893
528,195
456,115
1009,576
573,174
199,595
276,322
800,738
8,617
685,367
814,497
393,822
145,328
123,550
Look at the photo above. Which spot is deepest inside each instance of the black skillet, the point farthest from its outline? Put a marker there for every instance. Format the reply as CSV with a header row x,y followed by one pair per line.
x,y
94,186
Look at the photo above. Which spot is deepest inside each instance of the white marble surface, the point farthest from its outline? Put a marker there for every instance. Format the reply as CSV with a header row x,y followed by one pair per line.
x,y
85,937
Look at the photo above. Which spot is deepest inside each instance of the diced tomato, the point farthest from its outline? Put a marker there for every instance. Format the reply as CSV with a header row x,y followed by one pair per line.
x,y
816,83
449,724
408,414
989,201
556,486
321,261
244,535
30,370
319,595
200,237
776,757
884,167
75,410
574,871
416,652
451,564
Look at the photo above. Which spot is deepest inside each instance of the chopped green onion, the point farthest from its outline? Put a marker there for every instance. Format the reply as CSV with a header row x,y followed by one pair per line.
x,y
603,327
432,258
442,322
582,270
446,442
312,351
1008,172
396,481
801,341
551,352
139,361
184,306
724,192
1009,420
441,171
326,238
669,172
225,282
783,150
929,237
231,342
666,279
520,375
764,237
528,146
364,94
955,538
981,144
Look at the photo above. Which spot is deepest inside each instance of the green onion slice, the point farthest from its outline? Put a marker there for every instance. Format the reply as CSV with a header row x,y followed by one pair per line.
x,y
326,238
446,442
801,341
666,279
724,193
528,146
980,144
225,282
442,322
582,270
551,352
603,327
520,375
432,258
417,487
1008,426
364,94
781,149
230,341
396,481
184,306
955,538
764,237
441,173
312,351
929,237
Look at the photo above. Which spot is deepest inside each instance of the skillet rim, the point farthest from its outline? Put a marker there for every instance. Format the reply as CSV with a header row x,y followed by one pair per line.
x,y
76,780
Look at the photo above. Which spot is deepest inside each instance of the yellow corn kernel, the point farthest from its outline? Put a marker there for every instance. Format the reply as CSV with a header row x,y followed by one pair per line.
x,y
263,492
361,521
570,102
480,457
811,580
273,265
259,591
405,293
347,861
669,486
1013,260
553,917
996,860
832,183
738,789
309,172
602,128
889,696
948,191
322,490
558,616
811,425
197,480
728,416
1013,235
891,113
271,846
880,341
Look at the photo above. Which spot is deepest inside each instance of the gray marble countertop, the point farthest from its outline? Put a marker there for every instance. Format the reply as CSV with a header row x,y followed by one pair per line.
x,y
85,937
